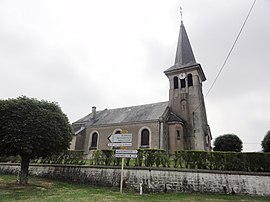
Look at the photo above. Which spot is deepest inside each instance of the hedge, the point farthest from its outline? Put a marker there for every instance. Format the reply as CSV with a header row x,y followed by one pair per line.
x,y
145,157
67,157
231,161
235,161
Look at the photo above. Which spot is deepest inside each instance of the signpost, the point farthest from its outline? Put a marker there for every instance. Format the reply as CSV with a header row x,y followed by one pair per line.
x,y
122,140
119,144
120,151
126,155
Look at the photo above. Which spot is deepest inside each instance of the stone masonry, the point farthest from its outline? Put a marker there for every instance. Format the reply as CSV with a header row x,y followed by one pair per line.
x,y
155,179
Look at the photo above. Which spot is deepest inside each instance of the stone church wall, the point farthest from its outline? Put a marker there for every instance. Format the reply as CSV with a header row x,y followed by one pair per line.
x,y
155,179
105,132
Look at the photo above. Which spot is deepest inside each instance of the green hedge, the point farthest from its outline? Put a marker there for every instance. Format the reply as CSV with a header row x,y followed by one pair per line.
x,y
231,161
235,161
145,157
11,159
67,157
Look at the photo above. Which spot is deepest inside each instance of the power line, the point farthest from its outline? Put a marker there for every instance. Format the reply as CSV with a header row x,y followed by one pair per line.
x,y
226,59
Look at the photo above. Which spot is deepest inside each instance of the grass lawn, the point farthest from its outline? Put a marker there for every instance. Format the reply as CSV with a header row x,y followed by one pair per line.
x,y
40,189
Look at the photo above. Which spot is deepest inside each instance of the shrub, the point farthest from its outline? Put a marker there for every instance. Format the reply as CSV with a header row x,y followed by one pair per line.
x,y
228,142
266,142
67,157
107,156
139,159
97,157
234,161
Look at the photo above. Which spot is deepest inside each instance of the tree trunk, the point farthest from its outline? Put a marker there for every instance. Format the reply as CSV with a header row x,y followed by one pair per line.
x,y
23,178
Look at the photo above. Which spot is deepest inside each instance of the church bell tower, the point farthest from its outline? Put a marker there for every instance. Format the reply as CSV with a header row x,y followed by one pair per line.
x,y
186,98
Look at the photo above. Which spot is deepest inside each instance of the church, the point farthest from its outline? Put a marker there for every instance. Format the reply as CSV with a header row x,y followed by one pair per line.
x,y
178,124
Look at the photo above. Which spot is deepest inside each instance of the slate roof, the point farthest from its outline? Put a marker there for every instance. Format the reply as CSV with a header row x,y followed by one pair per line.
x,y
174,118
134,114
184,55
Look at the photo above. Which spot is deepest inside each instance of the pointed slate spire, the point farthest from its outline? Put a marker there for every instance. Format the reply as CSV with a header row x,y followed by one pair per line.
x,y
184,54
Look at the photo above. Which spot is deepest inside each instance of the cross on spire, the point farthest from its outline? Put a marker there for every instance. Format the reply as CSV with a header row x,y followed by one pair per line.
x,y
181,13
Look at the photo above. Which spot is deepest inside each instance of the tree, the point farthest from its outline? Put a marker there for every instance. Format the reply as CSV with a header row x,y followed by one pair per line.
x,y
228,142
266,142
31,128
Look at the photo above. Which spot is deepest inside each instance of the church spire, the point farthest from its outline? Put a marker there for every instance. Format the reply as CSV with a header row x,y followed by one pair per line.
x,y
184,54
184,58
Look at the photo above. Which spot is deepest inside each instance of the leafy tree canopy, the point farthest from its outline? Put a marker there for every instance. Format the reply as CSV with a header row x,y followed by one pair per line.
x,y
32,128
266,142
228,142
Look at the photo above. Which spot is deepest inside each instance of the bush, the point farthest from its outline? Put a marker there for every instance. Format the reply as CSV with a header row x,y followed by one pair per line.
x,y
234,161
67,157
266,142
140,157
107,156
11,159
228,142
97,157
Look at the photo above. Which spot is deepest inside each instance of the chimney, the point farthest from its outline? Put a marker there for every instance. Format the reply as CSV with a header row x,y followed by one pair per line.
x,y
93,112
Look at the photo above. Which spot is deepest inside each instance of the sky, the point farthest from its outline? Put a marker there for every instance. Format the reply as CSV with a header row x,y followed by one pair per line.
x,y
112,54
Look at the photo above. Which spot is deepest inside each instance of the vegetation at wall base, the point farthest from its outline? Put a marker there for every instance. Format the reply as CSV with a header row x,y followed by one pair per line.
x,y
230,161
224,161
66,157
40,189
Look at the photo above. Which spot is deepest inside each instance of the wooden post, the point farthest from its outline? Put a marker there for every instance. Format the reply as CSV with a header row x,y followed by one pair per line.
x,y
122,175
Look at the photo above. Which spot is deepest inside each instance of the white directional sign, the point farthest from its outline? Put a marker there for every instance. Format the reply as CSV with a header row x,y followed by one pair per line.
x,y
119,144
121,151
126,155
120,137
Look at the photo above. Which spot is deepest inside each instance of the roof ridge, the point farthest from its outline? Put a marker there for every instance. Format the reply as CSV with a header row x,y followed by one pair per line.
x,y
133,106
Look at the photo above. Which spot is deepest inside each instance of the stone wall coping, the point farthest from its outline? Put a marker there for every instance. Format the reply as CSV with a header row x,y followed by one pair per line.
x,y
146,168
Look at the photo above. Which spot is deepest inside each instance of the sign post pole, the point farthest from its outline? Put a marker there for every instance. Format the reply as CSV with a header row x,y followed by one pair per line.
x,y
122,140
122,175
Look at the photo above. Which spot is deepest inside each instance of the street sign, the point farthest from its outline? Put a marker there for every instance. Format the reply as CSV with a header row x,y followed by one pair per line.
x,y
119,144
120,137
120,151
126,155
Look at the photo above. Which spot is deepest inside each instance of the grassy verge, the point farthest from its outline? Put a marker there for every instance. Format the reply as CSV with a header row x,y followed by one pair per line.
x,y
40,189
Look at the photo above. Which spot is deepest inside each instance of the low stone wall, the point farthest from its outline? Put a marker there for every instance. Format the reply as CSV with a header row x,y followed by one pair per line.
x,y
155,179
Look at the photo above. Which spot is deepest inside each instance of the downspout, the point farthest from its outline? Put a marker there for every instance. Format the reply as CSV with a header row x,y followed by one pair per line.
x,y
161,133
159,126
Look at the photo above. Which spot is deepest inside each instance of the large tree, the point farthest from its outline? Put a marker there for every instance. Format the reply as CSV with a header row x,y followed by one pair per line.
x,y
31,128
228,142
266,142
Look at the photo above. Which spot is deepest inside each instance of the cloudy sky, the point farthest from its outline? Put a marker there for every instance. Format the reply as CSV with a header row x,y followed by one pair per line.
x,y
112,54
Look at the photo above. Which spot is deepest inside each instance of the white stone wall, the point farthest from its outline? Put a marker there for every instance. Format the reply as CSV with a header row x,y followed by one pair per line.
x,y
155,179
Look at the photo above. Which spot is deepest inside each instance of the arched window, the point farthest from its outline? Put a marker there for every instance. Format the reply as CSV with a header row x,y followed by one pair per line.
x,y
145,138
183,83
94,141
175,82
190,80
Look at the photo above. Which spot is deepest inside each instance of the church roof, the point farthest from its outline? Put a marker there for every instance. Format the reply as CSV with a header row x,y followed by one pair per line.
x,y
174,118
134,114
184,55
